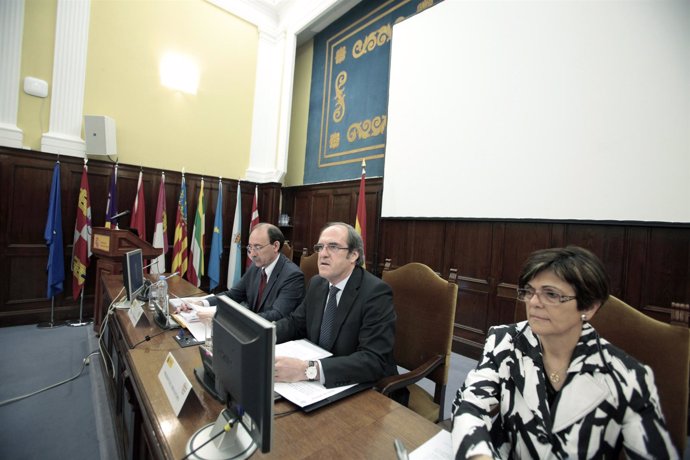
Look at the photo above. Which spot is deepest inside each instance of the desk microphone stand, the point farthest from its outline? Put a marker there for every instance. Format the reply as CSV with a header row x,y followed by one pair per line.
x,y
81,322
51,324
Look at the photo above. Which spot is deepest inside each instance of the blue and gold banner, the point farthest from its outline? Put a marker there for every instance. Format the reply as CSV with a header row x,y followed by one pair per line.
x,y
348,109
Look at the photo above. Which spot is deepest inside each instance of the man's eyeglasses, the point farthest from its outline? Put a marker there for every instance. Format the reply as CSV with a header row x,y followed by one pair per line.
x,y
256,247
331,247
547,296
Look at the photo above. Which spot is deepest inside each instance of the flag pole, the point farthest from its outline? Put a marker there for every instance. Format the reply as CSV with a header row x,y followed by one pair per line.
x,y
50,324
81,321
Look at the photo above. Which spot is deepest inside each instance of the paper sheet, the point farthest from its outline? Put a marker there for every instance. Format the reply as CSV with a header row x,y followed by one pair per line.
x,y
304,393
439,447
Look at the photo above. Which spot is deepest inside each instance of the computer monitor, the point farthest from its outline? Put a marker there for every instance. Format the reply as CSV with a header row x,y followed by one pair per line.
x,y
243,363
133,275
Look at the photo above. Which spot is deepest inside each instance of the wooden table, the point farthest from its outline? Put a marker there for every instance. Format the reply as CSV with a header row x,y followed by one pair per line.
x,y
361,426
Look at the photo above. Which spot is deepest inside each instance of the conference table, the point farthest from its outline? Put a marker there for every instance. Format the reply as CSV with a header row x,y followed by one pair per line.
x,y
363,425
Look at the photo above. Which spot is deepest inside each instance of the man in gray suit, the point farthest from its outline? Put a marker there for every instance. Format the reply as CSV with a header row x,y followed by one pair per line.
x,y
282,288
347,311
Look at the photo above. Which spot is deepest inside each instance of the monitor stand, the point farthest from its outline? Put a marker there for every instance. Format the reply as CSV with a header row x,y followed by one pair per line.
x,y
233,444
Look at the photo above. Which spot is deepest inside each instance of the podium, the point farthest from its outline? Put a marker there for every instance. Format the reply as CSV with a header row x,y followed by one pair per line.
x,y
109,245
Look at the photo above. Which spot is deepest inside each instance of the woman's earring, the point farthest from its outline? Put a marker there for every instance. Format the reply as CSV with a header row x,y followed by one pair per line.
x,y
583,317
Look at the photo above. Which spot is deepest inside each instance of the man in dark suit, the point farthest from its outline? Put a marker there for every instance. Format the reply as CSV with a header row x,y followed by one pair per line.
x,y
283,287
347,311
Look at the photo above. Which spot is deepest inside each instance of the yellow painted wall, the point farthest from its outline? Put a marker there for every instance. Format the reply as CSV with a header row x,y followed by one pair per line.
x,y
38,45
300,114
207,133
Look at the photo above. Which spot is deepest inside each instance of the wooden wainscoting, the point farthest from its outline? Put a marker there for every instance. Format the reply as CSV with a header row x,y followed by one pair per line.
x,y
25,179
649,265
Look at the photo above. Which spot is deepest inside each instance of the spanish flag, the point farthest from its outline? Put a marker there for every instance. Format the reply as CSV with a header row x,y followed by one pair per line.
x,y
361,219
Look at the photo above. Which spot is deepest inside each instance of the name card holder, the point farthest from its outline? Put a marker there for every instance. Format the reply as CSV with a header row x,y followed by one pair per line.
x,y
135,313
175,383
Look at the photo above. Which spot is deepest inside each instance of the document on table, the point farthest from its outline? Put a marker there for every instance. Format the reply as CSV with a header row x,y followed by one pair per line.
x,y
304,393
189,319
439,447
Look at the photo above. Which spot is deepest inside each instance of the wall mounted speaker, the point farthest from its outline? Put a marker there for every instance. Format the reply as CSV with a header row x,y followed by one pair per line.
x,y
99,132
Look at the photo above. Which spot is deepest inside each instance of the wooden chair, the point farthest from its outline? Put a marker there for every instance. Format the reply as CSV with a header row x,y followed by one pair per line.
x,y
287,250
663,347
309,265
425,307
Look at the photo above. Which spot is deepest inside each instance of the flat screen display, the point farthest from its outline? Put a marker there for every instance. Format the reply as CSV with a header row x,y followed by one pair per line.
x,y
133,273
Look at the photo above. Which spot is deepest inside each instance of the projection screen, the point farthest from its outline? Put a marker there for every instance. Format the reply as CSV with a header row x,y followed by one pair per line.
x,y
575,110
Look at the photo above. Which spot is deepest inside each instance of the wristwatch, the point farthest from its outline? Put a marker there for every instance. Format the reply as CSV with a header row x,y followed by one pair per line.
x,y
311,371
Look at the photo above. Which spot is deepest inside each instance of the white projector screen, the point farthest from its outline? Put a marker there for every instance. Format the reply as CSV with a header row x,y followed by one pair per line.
x,y
568,110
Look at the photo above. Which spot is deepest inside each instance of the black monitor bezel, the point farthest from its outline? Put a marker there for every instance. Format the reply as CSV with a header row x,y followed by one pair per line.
x,y
258,398
129,273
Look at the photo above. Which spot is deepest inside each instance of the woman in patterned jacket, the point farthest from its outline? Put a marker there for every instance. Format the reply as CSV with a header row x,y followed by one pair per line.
x,y
550,387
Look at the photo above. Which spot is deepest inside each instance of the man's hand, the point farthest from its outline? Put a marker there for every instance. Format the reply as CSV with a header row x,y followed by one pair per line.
x,y
189,305
290,369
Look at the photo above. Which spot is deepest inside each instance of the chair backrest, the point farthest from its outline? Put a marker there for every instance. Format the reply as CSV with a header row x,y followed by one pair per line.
x,y
287,250
425,307
309,266
663,347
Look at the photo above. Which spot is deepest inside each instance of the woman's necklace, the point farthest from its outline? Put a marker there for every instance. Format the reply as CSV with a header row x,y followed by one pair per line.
x,y
554,376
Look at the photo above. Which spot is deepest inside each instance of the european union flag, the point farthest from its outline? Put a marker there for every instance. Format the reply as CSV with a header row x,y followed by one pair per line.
x,y
53,237
216,242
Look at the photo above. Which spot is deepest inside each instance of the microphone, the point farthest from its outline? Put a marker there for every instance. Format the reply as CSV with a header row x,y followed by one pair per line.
x,y
171,275
119,214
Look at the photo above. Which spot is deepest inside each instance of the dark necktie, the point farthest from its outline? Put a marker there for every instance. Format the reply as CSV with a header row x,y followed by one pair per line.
x,y
262,285
328,317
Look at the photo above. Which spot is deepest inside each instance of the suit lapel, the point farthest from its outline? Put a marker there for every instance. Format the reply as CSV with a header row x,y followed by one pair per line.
x,y
252,286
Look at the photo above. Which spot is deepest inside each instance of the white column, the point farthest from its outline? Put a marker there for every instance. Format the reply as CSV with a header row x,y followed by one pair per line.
x,y
270,70
69,74
11,30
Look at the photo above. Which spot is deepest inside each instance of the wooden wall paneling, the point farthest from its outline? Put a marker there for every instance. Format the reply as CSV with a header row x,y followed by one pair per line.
x,y
470,245
24,195
301,222
343,206
634,266
428,244
607,243
320,215
393,242
668,258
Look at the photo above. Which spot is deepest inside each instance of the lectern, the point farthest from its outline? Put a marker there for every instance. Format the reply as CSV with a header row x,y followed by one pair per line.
x,y
109,245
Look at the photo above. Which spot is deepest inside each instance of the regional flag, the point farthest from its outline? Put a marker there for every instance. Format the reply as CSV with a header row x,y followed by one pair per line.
x,y
254,220
216,242
138,221
234,262
179,260
81,248
361,218
160,232
111,204
53,237
196,270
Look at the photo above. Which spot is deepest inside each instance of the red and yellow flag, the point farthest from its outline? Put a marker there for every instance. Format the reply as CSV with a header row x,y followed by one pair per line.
x,y
179,260
81,250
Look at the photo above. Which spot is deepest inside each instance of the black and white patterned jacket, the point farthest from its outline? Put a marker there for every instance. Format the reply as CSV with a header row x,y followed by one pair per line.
x,y
608,402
